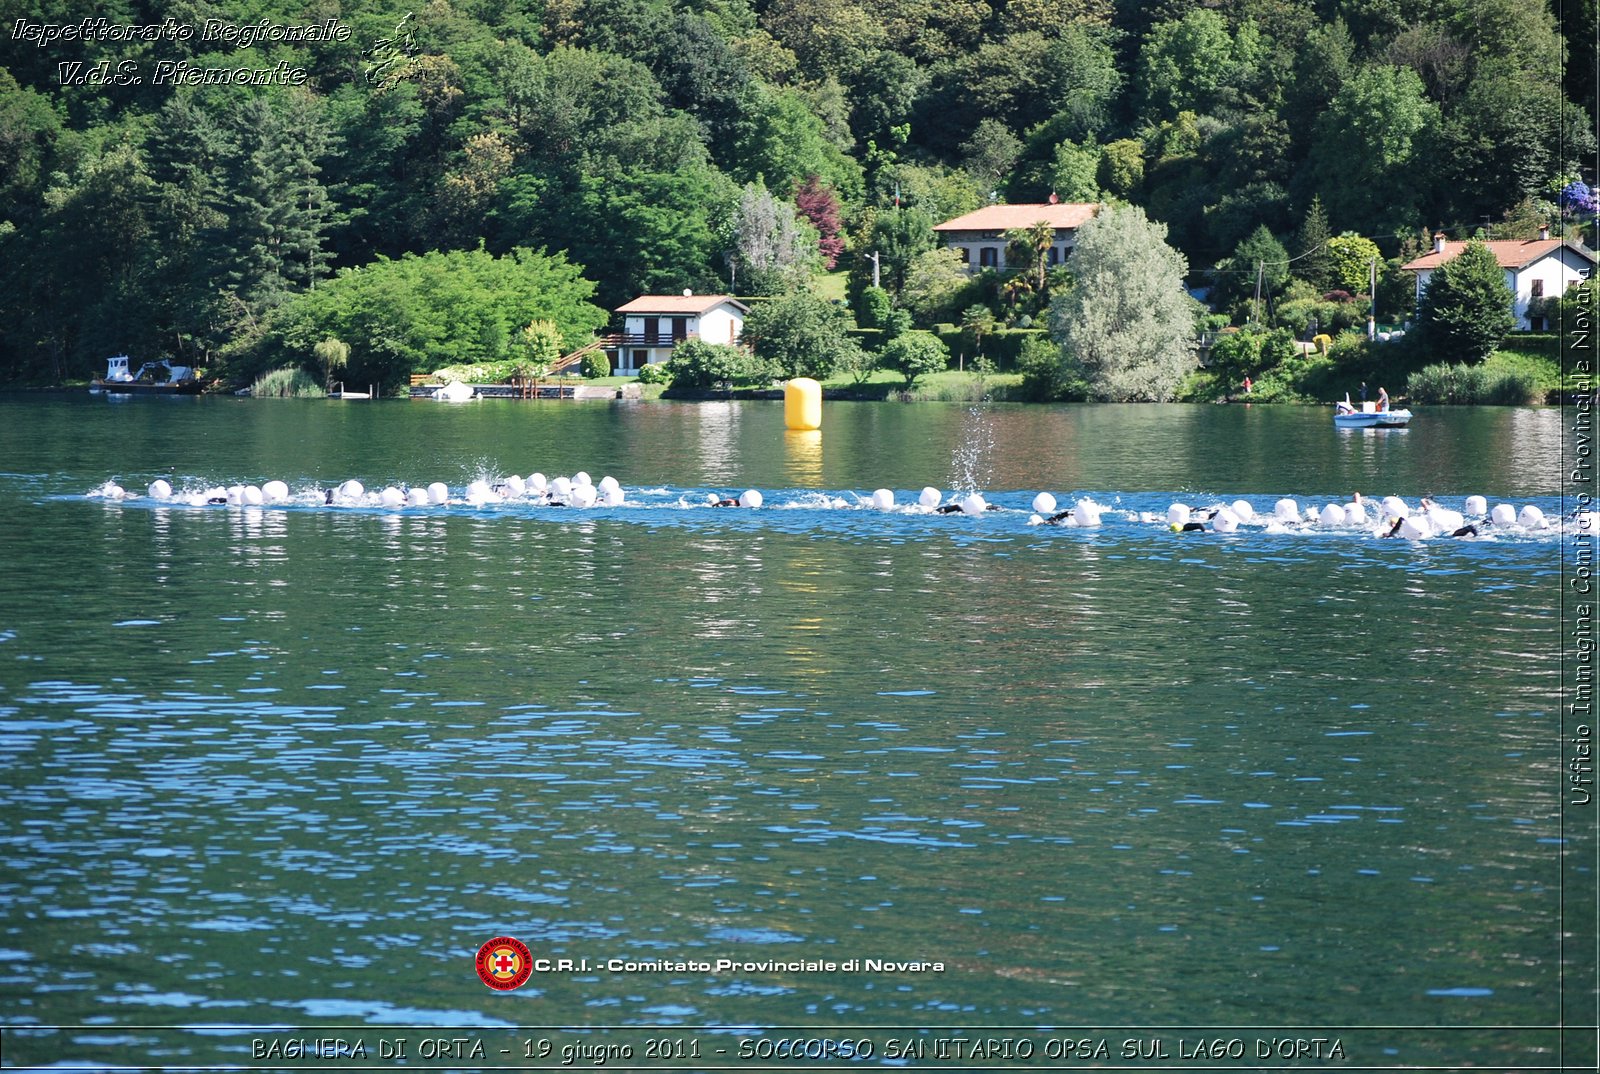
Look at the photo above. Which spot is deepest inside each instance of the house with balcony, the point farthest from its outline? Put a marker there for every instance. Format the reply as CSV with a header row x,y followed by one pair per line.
x,y
1534,268
652,325
981,234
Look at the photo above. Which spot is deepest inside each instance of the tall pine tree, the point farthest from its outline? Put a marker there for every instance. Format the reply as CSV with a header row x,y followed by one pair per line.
x,y
1313,263
1466,309
274,208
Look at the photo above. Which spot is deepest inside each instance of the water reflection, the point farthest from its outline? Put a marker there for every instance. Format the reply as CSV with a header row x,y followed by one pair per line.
x,y
297,764
717,429
803,457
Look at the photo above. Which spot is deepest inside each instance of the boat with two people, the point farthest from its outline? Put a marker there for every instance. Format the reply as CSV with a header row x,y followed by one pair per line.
x,y
1369,415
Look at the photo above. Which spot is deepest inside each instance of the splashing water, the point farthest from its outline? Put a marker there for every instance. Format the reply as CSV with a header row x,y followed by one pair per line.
x,y
970,466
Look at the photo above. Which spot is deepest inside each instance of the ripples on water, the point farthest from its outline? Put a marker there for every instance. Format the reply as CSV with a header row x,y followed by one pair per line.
x,y
294,764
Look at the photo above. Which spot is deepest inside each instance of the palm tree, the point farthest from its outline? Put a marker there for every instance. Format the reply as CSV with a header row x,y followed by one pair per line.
x,y
977,321
1035,241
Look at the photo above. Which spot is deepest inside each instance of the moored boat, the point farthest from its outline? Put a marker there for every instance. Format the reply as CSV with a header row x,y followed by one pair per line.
x,y
160,377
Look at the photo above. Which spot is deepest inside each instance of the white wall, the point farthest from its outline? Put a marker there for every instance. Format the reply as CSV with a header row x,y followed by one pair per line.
x,y
1557,272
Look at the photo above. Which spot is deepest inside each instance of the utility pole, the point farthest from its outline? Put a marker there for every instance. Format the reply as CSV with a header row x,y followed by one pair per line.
x,y
1261,267
874,256
1372,293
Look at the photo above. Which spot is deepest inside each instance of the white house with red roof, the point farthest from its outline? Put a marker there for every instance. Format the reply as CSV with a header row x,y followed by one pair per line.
x,y
1534,268
981,234
654,324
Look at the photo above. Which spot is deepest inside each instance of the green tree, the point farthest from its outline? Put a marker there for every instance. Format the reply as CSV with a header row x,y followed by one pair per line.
x,y
828,37
1188,63
1466,307
276,209
331,356
700,366
772,250
873,307
977,324
990,153
1126,325
1121,169
915,354
76,270
1505,137
420,313
1033,245
799,334
540,345
935,283
640,231
1366,156
899,236
1258,269
1350,257
1075,174
781,140
1323,62
577,111
1313,260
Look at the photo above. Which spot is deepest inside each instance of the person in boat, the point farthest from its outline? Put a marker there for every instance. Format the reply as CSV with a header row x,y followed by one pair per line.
x,y
1345,406
1383,400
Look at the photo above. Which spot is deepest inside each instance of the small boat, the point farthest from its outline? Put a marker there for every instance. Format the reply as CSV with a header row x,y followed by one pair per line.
x,y
160,377
455,392
341,392
1347,416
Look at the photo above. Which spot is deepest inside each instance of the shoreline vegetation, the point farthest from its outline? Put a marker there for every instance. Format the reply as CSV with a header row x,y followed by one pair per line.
x,y
1111,202
1510,377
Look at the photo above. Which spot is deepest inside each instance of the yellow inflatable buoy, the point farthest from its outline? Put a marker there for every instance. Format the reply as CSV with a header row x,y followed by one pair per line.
x,y
802,404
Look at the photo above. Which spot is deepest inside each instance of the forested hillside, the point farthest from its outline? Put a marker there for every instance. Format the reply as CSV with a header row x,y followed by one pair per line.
x,y
152,204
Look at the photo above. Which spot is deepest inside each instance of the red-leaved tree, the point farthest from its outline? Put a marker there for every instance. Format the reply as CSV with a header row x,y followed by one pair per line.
x,y
819,205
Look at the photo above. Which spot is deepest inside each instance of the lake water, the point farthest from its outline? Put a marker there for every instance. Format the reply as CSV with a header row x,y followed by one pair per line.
x,y
290,766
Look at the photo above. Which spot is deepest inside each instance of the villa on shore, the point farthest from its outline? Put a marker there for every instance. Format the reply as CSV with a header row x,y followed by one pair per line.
x,y
981,234
1535,269
652,325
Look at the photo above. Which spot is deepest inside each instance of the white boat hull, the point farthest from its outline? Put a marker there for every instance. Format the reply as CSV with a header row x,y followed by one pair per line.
x,y
1385,419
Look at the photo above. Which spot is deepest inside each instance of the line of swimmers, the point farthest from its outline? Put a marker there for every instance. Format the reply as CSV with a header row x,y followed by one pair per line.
x,y
1394,518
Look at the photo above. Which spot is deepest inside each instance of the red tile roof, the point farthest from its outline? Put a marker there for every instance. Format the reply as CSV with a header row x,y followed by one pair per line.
x,y
1510,253
680,305
1064,215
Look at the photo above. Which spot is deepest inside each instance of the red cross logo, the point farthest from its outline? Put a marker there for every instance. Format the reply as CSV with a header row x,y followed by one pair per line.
x,y
504,963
